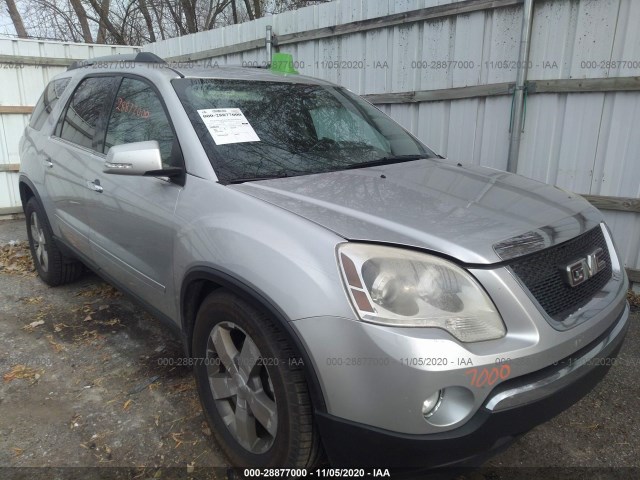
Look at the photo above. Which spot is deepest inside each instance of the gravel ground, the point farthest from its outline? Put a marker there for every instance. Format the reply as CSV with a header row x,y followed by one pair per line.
x,y
83,387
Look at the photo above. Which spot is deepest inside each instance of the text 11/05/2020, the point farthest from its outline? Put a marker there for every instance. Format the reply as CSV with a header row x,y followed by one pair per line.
x,y
317,473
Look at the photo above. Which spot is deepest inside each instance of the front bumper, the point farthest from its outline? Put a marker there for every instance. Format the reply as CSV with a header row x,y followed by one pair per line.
x,y
512,408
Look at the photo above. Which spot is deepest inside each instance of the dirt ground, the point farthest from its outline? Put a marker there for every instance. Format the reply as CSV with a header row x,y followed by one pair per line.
x,y
83,381
83,386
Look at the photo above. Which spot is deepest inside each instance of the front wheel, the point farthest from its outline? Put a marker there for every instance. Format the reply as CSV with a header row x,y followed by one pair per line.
x,y
252,386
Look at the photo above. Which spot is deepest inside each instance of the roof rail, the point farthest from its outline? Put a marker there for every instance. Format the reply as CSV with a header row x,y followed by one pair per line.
x,y
140,57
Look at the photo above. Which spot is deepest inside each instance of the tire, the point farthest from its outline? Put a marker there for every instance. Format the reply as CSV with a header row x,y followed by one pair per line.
x,y
248,392
52,266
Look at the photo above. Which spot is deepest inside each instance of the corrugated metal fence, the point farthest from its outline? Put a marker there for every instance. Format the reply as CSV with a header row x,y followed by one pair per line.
x,y
26,66
445,70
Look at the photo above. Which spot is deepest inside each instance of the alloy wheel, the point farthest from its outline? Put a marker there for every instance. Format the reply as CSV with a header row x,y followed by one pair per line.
x,y
241,387
39,242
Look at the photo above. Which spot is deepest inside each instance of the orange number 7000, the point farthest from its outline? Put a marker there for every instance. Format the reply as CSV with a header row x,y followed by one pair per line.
x,y
488,376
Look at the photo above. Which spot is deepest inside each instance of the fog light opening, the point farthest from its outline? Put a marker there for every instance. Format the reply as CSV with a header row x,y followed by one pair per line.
x,y
431,404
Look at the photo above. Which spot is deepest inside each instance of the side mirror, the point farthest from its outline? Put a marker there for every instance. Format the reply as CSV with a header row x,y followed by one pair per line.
x,y
133,159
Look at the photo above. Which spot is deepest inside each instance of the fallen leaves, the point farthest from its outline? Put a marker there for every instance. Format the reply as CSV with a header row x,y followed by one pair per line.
x,y
127,405
44,312
15,258
182,387
98,382
57,347
178,438
17,451
111,323
103,290
634,298
32,300
22,372
75,421
86,310
87,337
33,325
58,327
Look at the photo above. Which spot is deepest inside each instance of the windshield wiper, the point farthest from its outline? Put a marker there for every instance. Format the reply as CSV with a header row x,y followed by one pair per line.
x,y
257,179
386,161
372,163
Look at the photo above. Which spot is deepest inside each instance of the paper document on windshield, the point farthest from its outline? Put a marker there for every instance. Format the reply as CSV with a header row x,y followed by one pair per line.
x,y
228,125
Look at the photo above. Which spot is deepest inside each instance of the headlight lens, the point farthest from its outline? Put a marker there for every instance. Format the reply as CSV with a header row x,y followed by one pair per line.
x,y
393,286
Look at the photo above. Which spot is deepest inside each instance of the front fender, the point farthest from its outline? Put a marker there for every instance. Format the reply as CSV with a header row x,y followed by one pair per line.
x,y
288,259
281,262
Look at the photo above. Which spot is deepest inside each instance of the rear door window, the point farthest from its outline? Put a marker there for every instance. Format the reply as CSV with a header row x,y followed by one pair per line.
x,y
47,101
88,103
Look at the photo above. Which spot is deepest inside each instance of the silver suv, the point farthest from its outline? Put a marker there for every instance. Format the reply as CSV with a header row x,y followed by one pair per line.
x,y
340,289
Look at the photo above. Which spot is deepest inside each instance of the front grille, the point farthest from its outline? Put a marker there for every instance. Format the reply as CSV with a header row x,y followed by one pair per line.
x,y
541,273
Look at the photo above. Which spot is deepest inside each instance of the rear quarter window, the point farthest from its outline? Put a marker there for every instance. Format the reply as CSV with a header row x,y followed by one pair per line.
x,y
47,102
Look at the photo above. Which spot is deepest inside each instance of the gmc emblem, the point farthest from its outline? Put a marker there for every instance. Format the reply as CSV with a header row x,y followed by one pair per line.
x,y
582,270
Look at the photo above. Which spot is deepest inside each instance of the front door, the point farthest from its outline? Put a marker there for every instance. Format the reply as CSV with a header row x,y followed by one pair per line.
x,y
132,217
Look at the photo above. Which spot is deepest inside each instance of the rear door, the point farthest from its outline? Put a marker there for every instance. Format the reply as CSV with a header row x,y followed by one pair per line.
x,y
36,148
132,218
72,146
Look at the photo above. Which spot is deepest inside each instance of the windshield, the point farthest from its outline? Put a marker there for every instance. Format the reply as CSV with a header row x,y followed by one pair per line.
x,y
255,130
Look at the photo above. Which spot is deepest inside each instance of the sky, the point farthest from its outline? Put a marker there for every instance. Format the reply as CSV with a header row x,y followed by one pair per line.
x,y
6,27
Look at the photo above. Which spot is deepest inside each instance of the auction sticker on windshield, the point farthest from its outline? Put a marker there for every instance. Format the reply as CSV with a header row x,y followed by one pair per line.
x,y
228,125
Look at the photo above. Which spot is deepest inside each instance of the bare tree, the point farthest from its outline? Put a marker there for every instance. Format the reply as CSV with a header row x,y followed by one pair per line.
x,y
234,11
104,21
82,19
147,20
247,4
102,31
16,18
189,9
215,11
135,22
157,12
279,6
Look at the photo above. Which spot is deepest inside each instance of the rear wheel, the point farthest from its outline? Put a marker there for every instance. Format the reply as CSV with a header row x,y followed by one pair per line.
x,y
52,266
252,386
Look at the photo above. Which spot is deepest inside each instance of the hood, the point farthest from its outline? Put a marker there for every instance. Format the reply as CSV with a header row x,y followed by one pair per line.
x,y
476,215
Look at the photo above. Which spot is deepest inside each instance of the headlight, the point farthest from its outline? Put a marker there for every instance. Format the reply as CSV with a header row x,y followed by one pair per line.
x,y
393,286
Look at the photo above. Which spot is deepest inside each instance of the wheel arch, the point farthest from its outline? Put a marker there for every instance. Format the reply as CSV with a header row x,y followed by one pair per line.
x,y
200,281
27,190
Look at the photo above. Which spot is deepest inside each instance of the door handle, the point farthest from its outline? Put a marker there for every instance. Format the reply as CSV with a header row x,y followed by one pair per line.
x,y
95,186
47,162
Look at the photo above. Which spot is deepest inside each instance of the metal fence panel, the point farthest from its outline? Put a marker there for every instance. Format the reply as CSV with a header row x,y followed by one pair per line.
x,y
26,67
584,142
